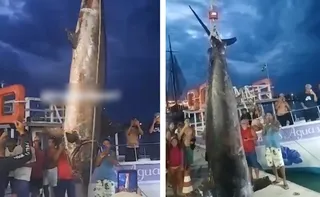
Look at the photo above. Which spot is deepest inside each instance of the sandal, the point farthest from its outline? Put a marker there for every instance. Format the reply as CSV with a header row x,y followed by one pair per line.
x,y
285,186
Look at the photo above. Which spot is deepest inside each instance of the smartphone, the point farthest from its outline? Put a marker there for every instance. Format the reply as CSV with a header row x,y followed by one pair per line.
x,y
12,131
103,148
127,181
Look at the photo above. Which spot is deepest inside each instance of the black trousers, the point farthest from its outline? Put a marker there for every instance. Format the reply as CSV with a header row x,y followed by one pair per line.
x,y
311,114
132,154
155,152
284,118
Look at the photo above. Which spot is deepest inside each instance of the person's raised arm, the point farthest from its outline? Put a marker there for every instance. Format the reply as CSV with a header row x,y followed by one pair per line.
x,y
276,125
314,96
100,157
287,106
3,137
55,132
139,127
130,128
58,152
182,131
254,136
11,163
277,105
112,158
152,126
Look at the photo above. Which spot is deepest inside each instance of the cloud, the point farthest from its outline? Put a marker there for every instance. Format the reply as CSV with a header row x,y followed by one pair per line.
x,y
13,10
279,37
35,52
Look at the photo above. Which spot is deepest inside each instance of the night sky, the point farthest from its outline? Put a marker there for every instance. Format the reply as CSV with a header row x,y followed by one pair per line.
x,y
284,34
35,52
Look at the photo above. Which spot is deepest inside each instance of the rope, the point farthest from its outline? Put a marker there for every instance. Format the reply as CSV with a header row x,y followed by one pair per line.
x,y
307,151
97,83
214,31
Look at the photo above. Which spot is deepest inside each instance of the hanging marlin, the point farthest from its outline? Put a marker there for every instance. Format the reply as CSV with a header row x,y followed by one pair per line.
x,y
82,117
228,170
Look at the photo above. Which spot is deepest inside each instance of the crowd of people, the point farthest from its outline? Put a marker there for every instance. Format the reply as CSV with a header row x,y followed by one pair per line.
x,y
48,172
104,179
273,155
180,140
136,137
286,114
180,143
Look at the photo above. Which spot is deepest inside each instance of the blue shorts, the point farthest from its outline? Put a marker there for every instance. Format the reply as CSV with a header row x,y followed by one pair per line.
x,y
252,160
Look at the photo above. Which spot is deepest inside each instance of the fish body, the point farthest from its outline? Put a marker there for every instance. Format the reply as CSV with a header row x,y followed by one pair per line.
x,y
82,117
228,170
227,166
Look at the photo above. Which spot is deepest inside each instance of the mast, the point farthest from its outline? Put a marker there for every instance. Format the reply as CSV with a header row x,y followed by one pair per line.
x,y
172,72
82,117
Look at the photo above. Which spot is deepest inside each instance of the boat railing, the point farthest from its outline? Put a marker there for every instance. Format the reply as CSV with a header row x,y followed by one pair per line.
x,y
37,113
197,119
143,153
298,114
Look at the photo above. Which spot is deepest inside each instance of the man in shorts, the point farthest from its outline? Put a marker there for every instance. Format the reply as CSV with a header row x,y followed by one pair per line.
x,y
271,133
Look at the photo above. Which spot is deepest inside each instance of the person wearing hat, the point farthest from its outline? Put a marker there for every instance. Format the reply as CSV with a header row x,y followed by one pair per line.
x,y
309,103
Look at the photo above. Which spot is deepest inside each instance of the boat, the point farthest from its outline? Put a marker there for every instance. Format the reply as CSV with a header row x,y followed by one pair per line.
x,y
299,141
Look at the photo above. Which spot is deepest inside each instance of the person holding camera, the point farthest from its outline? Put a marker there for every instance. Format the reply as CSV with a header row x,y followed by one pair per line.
x,y
22,175
133,134
155,136
309,103
13,162
104,177
65,176
283,111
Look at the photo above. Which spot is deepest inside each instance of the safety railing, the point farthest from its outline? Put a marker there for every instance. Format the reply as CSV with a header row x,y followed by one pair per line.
x,y
298,117
142,153
41,112
36,111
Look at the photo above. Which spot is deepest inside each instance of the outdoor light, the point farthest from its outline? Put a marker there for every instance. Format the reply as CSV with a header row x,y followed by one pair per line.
x,y
213,15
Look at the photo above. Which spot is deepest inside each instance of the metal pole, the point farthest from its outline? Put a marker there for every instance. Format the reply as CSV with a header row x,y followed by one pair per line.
x,y
267,71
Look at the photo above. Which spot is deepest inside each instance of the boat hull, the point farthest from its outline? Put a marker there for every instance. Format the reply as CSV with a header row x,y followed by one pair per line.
x,y
148,176
300,145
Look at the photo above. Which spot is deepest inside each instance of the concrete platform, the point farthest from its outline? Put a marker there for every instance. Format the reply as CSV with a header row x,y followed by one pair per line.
x,y
200,171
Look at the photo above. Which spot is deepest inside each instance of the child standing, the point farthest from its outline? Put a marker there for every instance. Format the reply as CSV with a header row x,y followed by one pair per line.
x,y
175,165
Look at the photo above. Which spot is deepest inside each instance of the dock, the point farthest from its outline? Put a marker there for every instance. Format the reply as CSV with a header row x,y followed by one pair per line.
x,y
199,171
